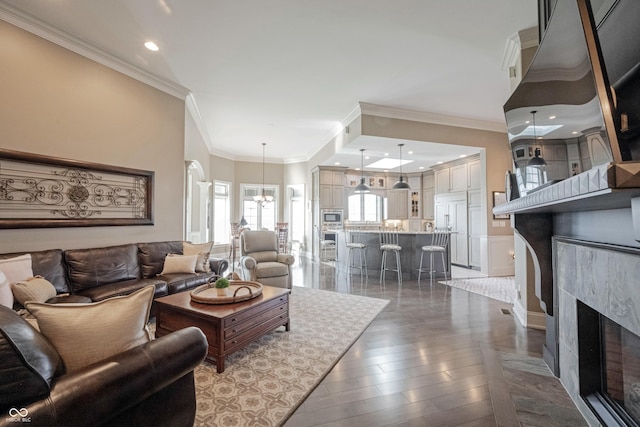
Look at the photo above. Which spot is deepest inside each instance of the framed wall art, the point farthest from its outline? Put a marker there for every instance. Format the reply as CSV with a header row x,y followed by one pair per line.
x,y
499,198
40,191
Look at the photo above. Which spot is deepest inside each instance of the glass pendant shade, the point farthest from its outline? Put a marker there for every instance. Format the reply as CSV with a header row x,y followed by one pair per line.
x,y
362,187
401,184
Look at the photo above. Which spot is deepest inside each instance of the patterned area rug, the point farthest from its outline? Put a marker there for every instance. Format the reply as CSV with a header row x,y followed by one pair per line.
x,y
264,383
500,288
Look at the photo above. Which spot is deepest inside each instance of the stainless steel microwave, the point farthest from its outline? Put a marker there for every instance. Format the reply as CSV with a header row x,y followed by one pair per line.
x,y
332,217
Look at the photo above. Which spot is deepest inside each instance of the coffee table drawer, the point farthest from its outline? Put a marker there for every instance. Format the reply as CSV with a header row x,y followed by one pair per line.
x,y
257,319
236,319
240,340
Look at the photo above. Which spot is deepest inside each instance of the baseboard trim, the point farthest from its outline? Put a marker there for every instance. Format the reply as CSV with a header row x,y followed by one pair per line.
x,y
529,319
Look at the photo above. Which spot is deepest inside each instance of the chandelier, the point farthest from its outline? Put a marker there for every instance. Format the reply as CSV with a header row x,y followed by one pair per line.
x,y
263,199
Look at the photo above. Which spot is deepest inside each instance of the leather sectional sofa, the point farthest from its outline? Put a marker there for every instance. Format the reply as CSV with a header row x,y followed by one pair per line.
x,y
95,274
148,385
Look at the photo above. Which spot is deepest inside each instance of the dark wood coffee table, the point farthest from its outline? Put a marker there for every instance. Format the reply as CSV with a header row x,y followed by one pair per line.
x,y
228,327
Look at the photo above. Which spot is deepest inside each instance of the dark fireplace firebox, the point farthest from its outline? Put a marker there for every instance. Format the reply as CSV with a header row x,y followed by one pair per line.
x,y
609,368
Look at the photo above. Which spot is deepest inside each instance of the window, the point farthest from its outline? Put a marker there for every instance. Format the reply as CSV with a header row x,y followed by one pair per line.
x,y
296,213
221,212
258,216
365,207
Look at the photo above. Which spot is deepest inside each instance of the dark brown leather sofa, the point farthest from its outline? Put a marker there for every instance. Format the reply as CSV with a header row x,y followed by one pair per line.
x,y
148,385
95,274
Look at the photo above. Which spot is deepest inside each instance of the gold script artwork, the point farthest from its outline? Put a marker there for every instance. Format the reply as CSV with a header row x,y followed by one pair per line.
x,y
40,191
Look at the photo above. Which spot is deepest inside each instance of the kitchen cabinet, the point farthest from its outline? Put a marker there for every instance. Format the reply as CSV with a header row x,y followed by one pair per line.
x,y
428,192
397,204
458,177
331,188
475,227
451,211
331,196
441,179
474,175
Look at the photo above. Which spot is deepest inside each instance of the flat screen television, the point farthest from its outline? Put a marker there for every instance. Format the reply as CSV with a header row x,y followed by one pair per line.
x,y
561,119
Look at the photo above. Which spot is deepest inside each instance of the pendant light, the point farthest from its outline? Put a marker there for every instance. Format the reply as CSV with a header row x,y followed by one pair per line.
x,y
401,185
263,199
537,161
362,187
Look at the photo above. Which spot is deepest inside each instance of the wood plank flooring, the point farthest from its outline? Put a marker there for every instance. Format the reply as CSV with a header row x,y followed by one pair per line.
x,y
423,361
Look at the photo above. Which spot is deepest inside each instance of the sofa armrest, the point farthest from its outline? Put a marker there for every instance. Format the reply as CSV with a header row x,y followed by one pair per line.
x,y
103,390
286,259
218,265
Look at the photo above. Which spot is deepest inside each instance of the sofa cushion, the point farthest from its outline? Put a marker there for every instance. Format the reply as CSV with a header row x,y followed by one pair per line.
x,y
174,263
37,289
101,293
87,333
28,362
89,268
264,256
258,241
48,264
6,296
152,256
203,250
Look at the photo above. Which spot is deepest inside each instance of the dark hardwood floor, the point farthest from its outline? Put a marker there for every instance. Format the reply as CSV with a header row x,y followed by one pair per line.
x,y
436,356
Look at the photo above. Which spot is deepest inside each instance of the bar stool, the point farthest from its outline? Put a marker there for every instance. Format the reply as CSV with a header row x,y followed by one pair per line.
x,y
389,243
361,249
439,242
328,250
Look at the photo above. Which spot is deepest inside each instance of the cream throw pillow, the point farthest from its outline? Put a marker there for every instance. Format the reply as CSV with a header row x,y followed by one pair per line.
x,y
179,264
37,289
14,270
87,333
203,250
6,297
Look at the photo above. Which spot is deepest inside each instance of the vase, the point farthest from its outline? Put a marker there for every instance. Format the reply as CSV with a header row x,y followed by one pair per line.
x,y
222,292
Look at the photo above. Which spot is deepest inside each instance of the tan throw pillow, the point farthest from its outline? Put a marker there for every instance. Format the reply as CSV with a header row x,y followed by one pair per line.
x,y
87,333
37,289
14,270
179,264
203,250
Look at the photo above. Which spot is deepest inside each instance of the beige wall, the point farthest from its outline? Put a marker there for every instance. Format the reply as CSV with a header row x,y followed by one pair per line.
x,y
57,103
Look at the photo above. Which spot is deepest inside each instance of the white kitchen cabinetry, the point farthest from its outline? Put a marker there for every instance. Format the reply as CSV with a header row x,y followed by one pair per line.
x,y
451,211
428,192
475,175
441,179
475,227
458,178
397,204
331,189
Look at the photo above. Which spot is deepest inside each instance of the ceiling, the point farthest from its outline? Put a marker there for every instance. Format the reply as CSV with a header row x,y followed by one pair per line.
x,y
291,72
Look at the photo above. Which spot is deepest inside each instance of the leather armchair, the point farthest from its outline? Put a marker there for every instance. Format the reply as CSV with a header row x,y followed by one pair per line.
x,y
260,260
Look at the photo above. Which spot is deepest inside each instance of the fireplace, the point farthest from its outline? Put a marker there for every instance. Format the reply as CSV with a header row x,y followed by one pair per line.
x,y
609,368
599,328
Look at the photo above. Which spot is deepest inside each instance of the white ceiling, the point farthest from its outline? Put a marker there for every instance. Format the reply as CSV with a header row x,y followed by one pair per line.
x,y
289,72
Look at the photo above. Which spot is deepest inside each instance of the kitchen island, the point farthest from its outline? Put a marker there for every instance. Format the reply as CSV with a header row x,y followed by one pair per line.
x,y
411,243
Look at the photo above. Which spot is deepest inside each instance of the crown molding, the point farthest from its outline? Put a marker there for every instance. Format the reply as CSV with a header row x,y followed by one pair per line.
x,y
523,39
425,117
192,107
69,42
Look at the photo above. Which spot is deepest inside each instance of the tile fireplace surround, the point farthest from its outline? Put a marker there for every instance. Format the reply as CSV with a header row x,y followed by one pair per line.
x,y
603,277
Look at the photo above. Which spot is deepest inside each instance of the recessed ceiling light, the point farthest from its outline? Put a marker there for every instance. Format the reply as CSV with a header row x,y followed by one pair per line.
x,y
410,152
462,156
151,46
386,170
552,117
575,132
357,169
386,154
367,157
336,163
439,163
421,167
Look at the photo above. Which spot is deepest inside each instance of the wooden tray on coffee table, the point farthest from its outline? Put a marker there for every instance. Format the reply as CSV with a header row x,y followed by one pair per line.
x,y
238,290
